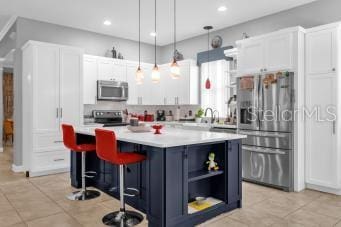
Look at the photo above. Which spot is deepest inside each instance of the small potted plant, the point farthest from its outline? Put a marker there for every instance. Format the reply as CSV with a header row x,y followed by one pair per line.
x,y
198,115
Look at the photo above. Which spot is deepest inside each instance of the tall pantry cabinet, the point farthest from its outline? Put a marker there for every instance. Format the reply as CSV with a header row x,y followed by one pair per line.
x,y
323,83
52,95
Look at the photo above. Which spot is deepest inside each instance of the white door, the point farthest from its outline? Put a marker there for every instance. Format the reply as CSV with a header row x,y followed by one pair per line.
x,y
71,66
106,69
120,70
321,51
133,89
321,144
90,74
251,57
46,89
278,52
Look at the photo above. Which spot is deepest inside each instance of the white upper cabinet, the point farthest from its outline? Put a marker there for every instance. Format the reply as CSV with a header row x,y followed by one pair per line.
x,y
90,75
45,89
105,68
251,57
112,69
321,51
71,71
133,87
278,53
267,53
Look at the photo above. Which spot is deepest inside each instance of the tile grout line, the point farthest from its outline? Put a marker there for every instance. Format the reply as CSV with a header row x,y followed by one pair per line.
x,y
63,210
15,209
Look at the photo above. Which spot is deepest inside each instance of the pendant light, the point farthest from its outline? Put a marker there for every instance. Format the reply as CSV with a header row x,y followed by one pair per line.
x,y
208,82
139,72
175,69
156,71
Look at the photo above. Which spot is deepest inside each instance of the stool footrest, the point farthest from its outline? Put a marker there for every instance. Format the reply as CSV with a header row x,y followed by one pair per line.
x,y
131,192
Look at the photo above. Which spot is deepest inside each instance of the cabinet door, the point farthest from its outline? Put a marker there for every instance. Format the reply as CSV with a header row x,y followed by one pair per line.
x,y
90,72
151,93
71,67
183,84
133,90
120,70
251,57
279,52
321,51
321,150
46,89
173,88
105,69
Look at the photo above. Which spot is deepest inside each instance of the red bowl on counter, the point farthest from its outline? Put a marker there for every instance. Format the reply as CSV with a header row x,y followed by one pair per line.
x,y
157,128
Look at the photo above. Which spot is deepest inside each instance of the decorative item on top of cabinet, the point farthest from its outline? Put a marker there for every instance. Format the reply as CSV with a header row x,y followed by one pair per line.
x,y
217,42
114,53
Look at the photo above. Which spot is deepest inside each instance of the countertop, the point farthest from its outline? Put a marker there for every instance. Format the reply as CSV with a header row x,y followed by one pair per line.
x,y
170,137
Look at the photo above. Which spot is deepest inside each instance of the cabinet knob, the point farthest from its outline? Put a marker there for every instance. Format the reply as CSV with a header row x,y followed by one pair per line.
x,y
261,70
334,69
265,70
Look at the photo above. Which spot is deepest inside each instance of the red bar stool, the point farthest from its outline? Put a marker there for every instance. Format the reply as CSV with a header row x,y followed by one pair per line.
x,y
106,148
69,138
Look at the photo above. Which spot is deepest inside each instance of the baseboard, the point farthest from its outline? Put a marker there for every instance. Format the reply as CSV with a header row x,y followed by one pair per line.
x,y
1,149
44,172
18,169
324,189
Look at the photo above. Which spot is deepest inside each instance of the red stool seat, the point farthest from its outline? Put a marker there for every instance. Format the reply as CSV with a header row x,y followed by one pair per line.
x,y
70,141
106,148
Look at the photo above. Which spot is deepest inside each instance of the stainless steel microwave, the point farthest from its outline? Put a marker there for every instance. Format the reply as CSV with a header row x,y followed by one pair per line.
x,y
112,90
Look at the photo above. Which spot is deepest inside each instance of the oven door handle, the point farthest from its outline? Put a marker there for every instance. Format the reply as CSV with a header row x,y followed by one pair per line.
x,y
263,134
263,150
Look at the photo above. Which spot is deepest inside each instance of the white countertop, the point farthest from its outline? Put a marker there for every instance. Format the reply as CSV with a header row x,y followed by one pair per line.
x,y
170,137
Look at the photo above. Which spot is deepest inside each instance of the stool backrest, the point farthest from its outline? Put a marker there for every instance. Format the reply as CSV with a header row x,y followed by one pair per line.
x,y
106,145
69,137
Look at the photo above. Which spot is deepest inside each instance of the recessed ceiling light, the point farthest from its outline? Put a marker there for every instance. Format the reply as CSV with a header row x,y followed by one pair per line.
x,y
152,34
222,8
107,22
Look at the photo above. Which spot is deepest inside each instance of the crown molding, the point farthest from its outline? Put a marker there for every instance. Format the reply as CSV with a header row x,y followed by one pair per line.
x,y
7,27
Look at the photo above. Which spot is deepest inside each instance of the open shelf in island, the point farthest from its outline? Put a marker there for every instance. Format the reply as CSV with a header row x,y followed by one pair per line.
x,y
202,174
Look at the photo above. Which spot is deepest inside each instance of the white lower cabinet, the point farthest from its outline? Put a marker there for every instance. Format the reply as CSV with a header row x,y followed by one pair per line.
x,y
52,95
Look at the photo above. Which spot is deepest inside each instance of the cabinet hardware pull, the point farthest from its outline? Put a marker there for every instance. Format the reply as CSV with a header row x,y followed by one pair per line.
x,y
59,159
58,141
61,112
334,127
57,111
334,69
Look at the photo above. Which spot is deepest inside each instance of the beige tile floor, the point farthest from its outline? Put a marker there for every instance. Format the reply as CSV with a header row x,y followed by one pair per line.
x,y
41,201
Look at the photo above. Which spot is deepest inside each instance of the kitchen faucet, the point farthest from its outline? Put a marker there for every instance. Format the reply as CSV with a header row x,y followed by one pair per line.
x,y
212,117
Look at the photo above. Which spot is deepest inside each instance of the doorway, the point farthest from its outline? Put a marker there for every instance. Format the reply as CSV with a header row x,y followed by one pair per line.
x,y
8,102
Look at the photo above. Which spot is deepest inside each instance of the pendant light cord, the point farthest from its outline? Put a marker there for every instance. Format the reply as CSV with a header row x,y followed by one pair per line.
x,y
174,28
208,53
155,33
139,33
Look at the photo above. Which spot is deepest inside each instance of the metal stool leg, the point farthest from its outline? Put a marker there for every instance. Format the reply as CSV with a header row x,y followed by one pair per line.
x,y
83,194
122,218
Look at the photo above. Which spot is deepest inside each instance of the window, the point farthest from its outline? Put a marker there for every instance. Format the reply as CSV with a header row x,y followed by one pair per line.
x,y
219,94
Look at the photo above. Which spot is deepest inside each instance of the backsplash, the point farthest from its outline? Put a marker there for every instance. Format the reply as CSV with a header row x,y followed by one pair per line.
x,y
138,109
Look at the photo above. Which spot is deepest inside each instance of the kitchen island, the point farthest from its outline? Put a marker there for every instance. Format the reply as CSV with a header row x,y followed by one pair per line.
x,y
173,174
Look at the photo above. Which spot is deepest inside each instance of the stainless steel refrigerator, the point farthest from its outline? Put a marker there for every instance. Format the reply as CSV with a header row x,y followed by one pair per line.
x,y
265,114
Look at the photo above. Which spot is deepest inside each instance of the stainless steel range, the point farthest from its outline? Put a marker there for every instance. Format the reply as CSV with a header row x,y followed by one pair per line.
x,y
265,105
109,118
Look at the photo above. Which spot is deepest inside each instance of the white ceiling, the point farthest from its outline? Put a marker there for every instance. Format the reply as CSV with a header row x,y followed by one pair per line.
x,y
192,15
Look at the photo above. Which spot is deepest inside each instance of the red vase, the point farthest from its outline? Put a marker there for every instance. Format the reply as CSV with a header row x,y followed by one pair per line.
x,y
208,84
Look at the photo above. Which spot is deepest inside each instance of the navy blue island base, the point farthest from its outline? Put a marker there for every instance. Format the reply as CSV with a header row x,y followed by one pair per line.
x,y
169,179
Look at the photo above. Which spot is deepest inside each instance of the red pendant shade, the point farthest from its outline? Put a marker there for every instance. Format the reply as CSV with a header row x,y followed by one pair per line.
x,y
208,84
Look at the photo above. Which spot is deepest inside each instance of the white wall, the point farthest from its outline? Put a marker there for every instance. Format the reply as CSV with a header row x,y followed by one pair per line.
x,y
310,15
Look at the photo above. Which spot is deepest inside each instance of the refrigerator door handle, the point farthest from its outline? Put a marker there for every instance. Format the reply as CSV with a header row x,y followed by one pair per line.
x,y
263,134
263,150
